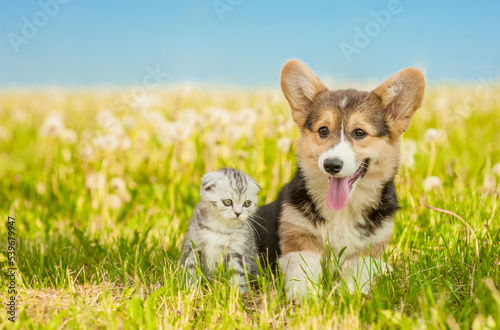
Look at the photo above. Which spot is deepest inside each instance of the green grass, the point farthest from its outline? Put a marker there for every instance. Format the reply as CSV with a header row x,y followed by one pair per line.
x,y
84,264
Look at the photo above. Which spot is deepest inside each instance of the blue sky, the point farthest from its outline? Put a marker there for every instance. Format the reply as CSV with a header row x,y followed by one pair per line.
x,y
114,42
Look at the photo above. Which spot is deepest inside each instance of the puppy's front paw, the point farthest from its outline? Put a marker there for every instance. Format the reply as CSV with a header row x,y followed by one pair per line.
x,y
299,290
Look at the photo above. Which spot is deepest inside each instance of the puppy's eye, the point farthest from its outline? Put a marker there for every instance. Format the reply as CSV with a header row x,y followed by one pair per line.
x,y
247,203
323,131
359,133
227,202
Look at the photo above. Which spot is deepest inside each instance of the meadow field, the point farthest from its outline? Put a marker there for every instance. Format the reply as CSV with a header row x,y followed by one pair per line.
x,y
101,183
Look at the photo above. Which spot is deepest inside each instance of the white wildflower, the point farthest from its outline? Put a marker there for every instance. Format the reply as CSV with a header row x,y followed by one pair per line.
x,y
87,152
105,118
108,142
108,122
236,132
152,117
433,134
184,89
19,116
142,137
115,202
218,117
442,102
432,183
94,181
274,96
284,144
245,117
117,184
40,188
408,151
53,126
164,134
68,136
120,189
5,135
223,151
145,102
192,118
489,183
496,169
180,131
129,122
66,153
125,143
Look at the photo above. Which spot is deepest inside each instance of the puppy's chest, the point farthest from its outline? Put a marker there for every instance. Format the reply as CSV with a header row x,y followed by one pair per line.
x,y
342,230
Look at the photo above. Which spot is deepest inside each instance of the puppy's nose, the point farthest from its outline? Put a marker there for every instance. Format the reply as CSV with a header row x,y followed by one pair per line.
x,y
333,166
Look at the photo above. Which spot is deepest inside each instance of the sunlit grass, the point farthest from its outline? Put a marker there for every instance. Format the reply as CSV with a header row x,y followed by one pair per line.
x,y
102,187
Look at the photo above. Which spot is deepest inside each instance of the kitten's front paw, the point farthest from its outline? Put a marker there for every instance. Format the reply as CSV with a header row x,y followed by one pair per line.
x,y
241,282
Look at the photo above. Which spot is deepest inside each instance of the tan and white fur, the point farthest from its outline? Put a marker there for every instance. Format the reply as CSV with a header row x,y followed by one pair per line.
x,y
349,139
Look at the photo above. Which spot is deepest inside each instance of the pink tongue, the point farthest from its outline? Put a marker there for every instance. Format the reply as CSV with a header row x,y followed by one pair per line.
x,y
338,193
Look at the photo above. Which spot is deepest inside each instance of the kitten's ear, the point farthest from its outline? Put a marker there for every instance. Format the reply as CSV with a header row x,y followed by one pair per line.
x,y
208,182
401,96
255,183
300,85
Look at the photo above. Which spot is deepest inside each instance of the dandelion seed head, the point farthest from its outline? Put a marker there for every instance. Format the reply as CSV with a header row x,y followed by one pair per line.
x,y
129,122
115,202
5,135
496,169
489,183
284,144
66,153
68,136
40,188
145,102
125,143
52,126
118,184
246,116
107,142
432,183
180,131
408,151
19,116
94,181
433,134
87,152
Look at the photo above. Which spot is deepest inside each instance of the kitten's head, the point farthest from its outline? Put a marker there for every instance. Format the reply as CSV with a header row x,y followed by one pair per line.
x,y
231,194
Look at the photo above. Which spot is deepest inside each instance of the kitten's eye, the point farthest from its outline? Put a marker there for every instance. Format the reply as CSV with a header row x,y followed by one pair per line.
x,y
227,202
247,203
323,132
359,133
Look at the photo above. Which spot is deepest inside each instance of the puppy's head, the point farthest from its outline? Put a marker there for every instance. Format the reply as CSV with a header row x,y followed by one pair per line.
x,y
350,136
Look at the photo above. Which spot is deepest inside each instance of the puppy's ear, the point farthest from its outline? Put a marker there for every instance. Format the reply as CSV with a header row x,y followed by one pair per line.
x,y
401,96
300,85
208,182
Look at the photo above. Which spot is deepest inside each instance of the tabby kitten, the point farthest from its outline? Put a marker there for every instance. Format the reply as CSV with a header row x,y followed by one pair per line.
x,y
221,227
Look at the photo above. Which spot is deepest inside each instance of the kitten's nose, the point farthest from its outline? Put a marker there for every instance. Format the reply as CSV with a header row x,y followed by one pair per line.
x,y
237,214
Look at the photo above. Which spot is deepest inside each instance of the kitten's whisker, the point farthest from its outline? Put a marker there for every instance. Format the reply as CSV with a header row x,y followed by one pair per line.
x,y
255,215
253,228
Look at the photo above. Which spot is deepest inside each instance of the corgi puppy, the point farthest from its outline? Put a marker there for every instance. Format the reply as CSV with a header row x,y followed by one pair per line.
x,y
343,194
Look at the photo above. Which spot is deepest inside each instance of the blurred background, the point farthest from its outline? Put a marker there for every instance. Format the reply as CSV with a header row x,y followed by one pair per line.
x,y
111,112
242,42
